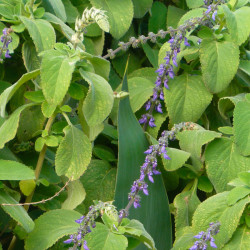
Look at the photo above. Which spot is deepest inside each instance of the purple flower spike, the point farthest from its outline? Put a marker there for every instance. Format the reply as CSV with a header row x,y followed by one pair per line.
x,y
144,119
214,15
198,236
155,95
137,202
149,151
151,122
159,109
186,42
160,70
171,40
68,241
158,81
174,62
150,178
166,84
148,105
5,31
145,189
171,74
162,96
212,244
85,247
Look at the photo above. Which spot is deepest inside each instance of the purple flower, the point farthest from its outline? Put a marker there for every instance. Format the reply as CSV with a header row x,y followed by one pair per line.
x,y
156,172
186,42
151,122
160,70
145,189
198,236
166,84
85,247
174,61
162,96
148,105
158,108
149,151
155,95
166,156
214,15
171,72
171,40
158,81
150,178
70,240
137,202
144,119
7,55
167,59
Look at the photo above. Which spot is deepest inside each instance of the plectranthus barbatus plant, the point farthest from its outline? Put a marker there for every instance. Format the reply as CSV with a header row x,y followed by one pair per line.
x,y
206,237
165,70
6,39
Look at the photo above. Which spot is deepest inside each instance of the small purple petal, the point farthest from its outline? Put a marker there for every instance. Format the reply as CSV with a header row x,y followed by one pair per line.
x,y
186,42
68,241
7,55
85,247
212,244
5,31
156,172
166,157
150,178
149,151
162,96
159,109
143,119
174,61
151,122
166,83
198,236
148,105
171,74
214,15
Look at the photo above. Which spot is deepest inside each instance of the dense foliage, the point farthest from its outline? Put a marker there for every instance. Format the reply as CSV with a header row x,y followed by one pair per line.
x,y
124,124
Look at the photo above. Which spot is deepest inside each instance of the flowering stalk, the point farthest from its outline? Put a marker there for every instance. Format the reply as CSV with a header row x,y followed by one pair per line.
x,y
6,39
206,237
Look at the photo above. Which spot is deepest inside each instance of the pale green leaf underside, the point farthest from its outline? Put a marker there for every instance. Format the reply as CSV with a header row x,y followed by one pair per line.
x,y
12,170
18,213
73,154
242,127
218,66
99,101
120,15
224,162
59,9
186,99
37,28
52,226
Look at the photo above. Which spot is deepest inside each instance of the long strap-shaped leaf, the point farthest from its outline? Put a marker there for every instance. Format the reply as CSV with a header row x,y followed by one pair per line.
x,y
154,211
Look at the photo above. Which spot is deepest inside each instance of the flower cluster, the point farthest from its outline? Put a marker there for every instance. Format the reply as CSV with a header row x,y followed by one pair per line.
x,y
148,169
205,237
87,222
6,39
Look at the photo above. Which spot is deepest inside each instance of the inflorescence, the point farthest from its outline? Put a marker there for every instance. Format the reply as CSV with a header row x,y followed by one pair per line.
x,y
205,237
6,39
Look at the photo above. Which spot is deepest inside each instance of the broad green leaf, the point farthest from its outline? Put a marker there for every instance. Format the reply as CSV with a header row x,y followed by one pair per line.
x,y
204,184
48,109
191,14
192,141
9,127
137,230
226,130
71,11
52,226
185,204
226,104
237,194
9,92
158,18
152,54
224,162
140,90
34,96
218,66
178,159
104,153
194,3
102,238
245,66
242,127
99,101
245,178
141,7
76,195
148,73
120,15
73,154
186,99
216,209
185,240
18,213
12,170
132,144
240,239
238,23
38,27
56,74
174,15
27,186
58,8
99,182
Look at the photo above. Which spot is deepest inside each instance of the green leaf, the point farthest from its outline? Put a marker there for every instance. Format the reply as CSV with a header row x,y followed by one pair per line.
x,y
191,14
218,66
58,8
132,144
73,154
215,209
9,92
34,96
185,204
148,73
204,184
104,153
240,239
242,127
151,53
194,3
137,230
224,162
12,170
174,15
76,195
226,130
238,23
158,18
52,226
140,89
237,194
245,178
38,27
27,186
185,240
178,159
99,182
9,127
186,99
120,15
226,104
141,7
56,74
102,238
76,91
48,109
99,101
245,66
71,11
18,213
193,140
